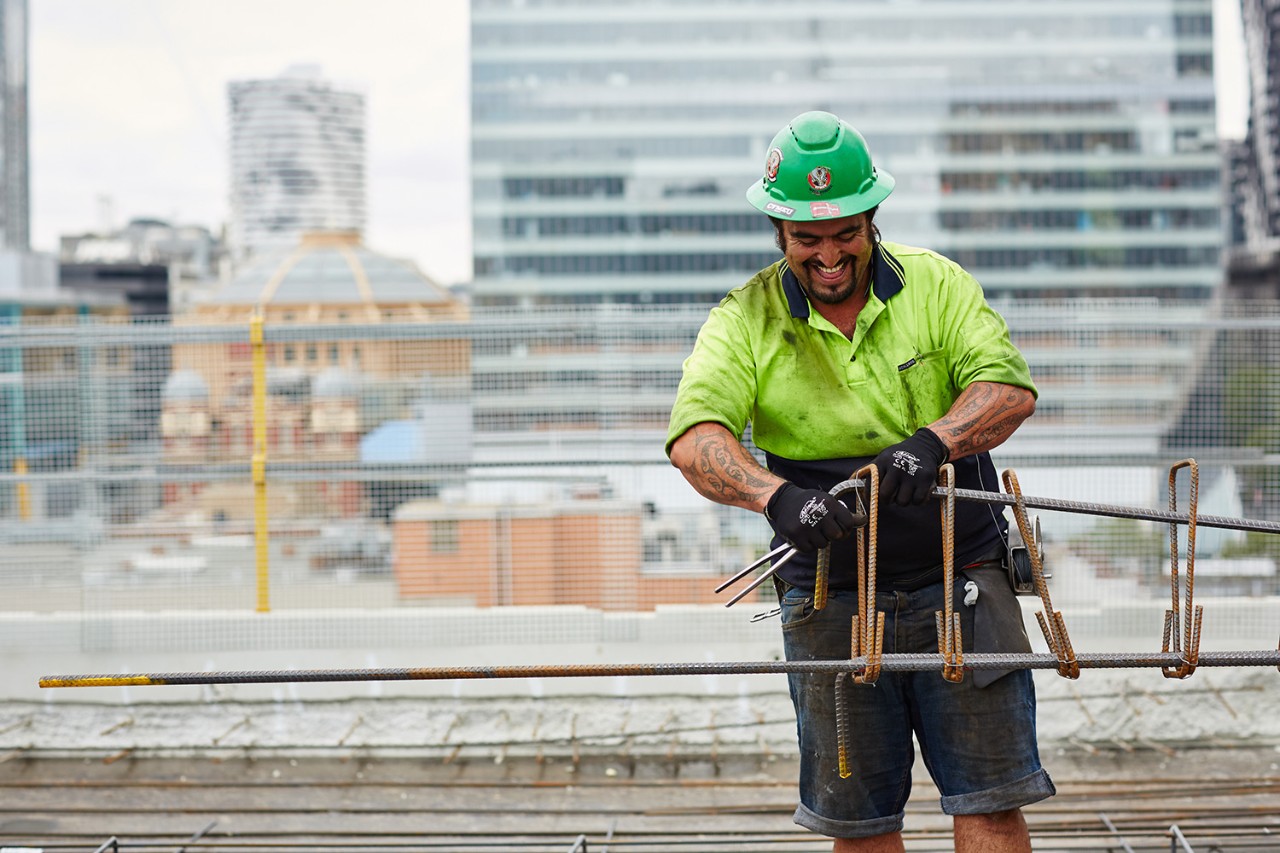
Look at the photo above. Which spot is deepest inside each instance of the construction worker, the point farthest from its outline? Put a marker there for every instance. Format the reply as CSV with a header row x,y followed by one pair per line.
x,y
851,350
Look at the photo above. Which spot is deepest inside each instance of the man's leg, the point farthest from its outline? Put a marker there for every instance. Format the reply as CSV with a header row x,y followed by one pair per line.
x,y
890,842
1001,832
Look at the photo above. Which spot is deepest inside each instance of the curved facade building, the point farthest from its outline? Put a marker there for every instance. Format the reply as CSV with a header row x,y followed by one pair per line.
x,y
297,161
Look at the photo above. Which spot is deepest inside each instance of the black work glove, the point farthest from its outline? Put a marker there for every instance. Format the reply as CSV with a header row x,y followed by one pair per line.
x,y
808,518
909,469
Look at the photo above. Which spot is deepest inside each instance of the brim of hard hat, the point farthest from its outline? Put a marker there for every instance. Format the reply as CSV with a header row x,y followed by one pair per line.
x,y
813,208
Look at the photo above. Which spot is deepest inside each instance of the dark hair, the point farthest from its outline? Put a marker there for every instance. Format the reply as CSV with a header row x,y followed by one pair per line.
x,y
777,228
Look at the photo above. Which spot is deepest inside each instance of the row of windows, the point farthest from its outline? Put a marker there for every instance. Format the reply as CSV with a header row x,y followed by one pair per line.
x,y
750,262
291,353
1010,108
1079,220
1193,25
584,226
624,264
930,23
544,300
1079,179
626,147
1104,372
504,106
599,186
1027,143
1195,64
1072,258
516,227
1031,67
579,148
585,186
520,421
607,379
1000,298
614,186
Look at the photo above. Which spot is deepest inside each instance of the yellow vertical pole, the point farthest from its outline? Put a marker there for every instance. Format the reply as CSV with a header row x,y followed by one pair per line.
x,y
24,494
260,516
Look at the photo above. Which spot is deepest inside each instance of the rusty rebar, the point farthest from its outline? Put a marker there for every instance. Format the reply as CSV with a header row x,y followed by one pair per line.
x,y
1051,622
950,642
1189,644
888,663
1053,504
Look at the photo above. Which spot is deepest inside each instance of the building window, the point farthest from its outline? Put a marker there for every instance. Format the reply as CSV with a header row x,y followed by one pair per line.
x,y
444,537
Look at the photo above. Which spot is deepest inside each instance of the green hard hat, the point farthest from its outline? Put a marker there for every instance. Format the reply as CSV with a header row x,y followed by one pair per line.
x,y
818,167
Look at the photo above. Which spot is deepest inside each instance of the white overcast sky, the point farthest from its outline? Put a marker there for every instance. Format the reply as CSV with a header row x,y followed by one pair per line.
x,y
128,109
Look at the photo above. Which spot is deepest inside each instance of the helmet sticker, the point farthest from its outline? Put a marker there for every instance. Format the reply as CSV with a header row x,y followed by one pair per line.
x,y
780,209
824,209
820,179
771,164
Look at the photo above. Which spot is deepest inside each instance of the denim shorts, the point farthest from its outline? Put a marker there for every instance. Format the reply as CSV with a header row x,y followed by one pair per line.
x,y
979,744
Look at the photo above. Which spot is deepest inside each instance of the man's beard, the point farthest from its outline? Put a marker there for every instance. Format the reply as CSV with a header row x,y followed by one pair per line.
x,y
830,297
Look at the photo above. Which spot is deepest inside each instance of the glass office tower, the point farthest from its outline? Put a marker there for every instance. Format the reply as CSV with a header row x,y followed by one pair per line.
x,y
1056,149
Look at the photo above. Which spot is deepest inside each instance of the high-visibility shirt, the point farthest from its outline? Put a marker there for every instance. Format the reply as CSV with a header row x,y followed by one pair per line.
x,y
820,404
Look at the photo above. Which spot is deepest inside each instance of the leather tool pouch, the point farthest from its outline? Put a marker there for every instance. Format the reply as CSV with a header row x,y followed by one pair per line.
x,y
997,618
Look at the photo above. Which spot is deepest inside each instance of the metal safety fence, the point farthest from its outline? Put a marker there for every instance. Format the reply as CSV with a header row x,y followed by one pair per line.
x,y
164,482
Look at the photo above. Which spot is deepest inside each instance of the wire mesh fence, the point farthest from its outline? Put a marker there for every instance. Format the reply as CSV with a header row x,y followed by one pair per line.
x,y
399,462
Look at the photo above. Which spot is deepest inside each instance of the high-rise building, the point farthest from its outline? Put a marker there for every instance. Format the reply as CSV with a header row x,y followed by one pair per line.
x,y
1055,149
1258,159
1063,151
15,192
297,160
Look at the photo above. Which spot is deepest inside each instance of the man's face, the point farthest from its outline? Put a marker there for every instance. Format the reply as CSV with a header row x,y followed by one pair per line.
x,y
830,257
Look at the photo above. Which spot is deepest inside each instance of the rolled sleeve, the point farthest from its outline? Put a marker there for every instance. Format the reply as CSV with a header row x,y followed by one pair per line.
x,y
719,380
979,338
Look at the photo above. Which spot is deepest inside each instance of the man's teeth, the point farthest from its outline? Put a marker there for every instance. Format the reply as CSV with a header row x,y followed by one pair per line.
x,y
830,270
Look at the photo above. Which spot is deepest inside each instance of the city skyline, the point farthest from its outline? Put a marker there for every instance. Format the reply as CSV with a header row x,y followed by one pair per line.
x,y
147,136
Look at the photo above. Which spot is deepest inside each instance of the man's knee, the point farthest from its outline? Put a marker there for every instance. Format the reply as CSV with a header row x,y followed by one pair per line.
x,y
889,842
1004,831
1010,818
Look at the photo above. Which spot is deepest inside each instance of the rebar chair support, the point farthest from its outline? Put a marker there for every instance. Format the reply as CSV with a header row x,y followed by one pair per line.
x,y
950,641
1189,644
1051,623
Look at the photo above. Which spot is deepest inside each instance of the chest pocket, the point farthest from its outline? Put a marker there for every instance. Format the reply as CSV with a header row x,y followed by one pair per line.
x,y
927,391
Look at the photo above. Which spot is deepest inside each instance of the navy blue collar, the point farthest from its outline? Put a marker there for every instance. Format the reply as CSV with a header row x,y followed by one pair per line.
x,y
886,280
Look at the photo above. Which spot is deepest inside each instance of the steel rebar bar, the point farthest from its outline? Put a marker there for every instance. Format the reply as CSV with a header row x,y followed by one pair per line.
x,y
1113,510
888,663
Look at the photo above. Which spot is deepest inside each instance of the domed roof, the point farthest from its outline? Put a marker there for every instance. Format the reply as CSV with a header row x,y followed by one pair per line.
x,y
335,383
330,268
185,385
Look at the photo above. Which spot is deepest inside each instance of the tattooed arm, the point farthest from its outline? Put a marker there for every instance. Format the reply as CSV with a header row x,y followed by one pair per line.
x,y
982,417
720,468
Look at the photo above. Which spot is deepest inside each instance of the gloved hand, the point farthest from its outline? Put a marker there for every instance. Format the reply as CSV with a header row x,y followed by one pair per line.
x,y
909,469
808,518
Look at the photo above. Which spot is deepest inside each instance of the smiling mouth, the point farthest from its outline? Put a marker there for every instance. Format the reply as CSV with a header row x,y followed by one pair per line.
x,y
830,272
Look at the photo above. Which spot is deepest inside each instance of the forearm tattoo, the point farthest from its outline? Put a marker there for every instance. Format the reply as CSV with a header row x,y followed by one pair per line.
x,y
721,469
983,416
